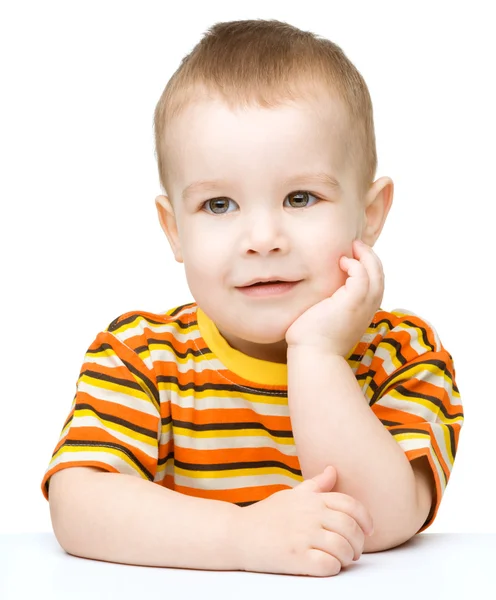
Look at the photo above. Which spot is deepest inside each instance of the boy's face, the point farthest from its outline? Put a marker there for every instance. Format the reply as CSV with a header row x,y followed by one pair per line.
x,y
257,225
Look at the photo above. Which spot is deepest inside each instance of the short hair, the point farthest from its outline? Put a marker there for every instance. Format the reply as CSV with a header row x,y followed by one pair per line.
x,y
267,62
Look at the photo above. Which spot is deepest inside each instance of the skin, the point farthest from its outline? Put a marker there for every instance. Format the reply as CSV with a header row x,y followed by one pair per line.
x,y
254,225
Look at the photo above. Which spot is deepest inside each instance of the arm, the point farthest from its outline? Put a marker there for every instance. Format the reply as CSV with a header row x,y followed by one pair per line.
x,y
371,465
122,518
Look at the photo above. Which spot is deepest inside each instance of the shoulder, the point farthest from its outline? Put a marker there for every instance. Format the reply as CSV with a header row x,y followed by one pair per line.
x,y
140,330
137,322
396,341
406,331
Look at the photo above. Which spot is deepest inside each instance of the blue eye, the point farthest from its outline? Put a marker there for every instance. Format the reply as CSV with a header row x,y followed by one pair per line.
x,y
302,200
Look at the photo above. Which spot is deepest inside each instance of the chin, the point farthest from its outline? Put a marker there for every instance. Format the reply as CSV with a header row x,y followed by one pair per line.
x,y
262,336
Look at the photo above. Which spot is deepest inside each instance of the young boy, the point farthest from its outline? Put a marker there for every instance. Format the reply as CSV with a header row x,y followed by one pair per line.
x,y
278,427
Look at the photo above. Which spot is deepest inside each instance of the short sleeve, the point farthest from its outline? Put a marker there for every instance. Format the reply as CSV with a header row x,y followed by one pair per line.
x,y
114,421
409,381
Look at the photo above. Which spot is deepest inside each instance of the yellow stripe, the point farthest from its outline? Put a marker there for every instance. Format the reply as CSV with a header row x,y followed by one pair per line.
x,y
114,387
226,474
232,433
114,426
95,449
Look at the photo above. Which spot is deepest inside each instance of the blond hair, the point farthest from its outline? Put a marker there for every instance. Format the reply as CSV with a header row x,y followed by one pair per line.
x,y
264,63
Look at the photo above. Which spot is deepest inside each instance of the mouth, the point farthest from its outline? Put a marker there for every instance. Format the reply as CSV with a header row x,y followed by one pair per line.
x,y
263,283
268,288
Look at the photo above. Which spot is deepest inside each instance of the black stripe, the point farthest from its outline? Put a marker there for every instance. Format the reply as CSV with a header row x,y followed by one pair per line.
x,y
397,346
103,445
119,321
387,423
117,380
162,461
358,357
280,393
230,426
423,432
167,343
425,337
387,382
118,421
385,320
408,393
149,383
178,309
134,385
258,464
451,431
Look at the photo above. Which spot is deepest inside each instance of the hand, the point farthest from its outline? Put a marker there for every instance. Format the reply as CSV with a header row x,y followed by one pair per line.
x,y
307,530
337,323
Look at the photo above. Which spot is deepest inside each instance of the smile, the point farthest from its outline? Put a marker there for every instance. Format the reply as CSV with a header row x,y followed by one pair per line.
x,y
265,290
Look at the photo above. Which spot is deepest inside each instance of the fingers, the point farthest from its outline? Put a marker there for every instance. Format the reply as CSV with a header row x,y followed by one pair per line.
x,y
373,267
337,546
350,506
342,534
358,281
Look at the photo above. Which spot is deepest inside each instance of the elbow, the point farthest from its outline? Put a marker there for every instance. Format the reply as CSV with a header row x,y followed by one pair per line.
x,y
61,520
380,541
395,533
64,498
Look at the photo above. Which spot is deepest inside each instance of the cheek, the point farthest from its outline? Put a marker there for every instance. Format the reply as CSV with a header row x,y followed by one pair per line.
x,y
205,259
326,252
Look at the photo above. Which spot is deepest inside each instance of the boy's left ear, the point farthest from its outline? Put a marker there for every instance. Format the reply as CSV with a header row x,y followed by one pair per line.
x,y
376,207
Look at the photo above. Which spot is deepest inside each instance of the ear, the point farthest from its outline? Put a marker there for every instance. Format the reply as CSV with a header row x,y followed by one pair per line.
x,y
168,223
377,203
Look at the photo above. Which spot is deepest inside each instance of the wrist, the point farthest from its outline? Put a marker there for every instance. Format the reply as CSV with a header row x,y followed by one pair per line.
x,y
237,538
245,533
314,350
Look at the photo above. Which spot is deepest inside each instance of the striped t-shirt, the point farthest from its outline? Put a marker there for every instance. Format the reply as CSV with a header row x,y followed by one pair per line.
x,y
166,398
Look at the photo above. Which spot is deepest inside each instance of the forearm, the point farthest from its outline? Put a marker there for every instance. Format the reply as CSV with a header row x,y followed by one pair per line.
x,y
334,425
124,519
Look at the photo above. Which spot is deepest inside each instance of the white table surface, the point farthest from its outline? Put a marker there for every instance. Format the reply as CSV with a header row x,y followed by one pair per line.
x,y
435,566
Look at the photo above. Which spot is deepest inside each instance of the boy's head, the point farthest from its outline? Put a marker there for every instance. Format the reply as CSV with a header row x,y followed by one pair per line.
x,y
282,122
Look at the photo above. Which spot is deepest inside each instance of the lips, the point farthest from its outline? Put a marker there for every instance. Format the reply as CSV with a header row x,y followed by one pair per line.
x,y
272,281
266,283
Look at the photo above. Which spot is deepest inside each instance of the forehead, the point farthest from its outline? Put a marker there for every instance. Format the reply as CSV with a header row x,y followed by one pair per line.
x,y
210,139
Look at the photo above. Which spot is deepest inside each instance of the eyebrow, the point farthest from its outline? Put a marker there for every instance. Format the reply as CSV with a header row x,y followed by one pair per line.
x,y
210,186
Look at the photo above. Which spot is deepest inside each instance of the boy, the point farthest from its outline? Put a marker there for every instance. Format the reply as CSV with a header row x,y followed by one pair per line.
x,y
278,427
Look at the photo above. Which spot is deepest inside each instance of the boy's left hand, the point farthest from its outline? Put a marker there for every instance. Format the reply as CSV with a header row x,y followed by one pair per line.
x,y
336,324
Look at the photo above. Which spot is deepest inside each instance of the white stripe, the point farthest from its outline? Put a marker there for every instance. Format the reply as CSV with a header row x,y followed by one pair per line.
x,y
97,456
149,449
416,444
229,483
172,327
439,431
118,398
235,442
406,405
384,352
234,402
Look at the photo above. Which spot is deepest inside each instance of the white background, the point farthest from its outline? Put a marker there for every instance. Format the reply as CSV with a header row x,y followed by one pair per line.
x,y
80,238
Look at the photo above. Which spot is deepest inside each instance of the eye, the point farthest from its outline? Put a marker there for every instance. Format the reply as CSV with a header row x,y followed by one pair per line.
x,y
301,198
216,203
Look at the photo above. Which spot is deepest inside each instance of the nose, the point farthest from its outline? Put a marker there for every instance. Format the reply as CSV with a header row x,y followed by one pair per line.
x,y
264,234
